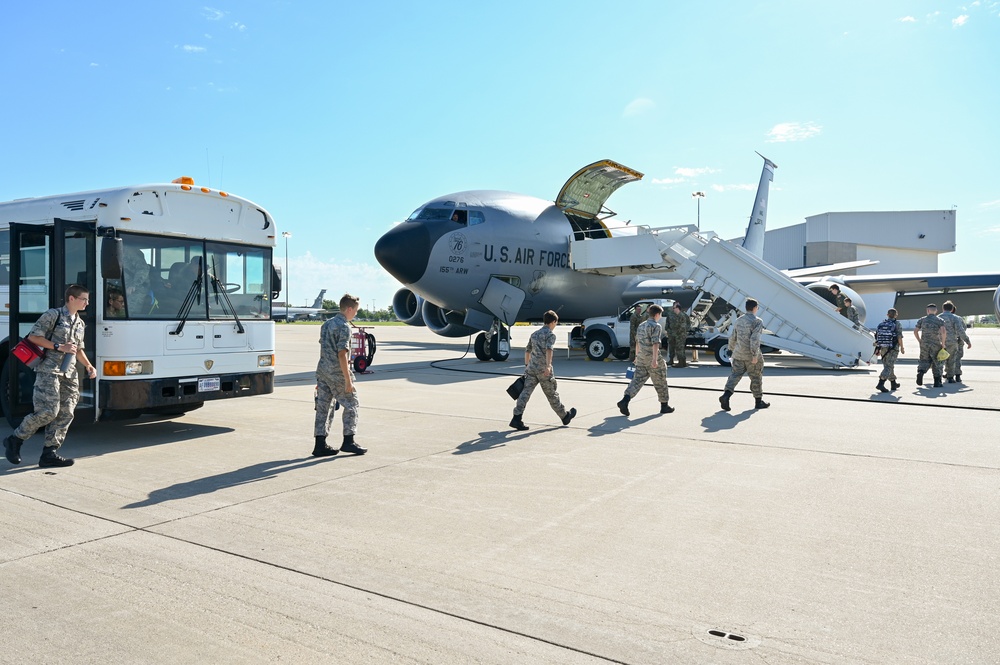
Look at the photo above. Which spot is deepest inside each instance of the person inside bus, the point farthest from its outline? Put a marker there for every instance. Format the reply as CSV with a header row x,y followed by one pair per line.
x,y
136,280
116,305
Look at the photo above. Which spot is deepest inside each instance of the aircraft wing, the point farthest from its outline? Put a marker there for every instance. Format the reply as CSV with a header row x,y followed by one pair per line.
x,y
830,269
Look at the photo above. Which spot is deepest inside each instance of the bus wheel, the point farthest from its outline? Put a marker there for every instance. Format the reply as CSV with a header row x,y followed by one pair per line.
x,y
5,396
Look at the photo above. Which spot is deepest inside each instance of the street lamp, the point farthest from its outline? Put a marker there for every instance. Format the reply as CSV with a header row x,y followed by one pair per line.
x,y
286,235
699,196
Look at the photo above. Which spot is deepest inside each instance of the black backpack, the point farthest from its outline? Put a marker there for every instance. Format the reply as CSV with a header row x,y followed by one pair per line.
x,y
885,334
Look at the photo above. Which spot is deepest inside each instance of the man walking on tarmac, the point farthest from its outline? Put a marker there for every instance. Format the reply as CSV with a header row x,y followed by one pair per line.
x,y
931,336
956,335
677,332
538,371
888,346
746,356
335,381
57,385
648,363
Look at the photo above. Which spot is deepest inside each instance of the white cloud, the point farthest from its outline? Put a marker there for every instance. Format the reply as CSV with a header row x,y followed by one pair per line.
x,y
793,131
667,181
960,21
734,188
238,26
188,48
990,204
638,106
94,64
907,19
687,172
307,275
212,14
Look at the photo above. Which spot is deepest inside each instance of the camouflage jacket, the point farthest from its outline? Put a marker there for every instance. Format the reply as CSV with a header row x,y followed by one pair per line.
x,y
540,341
58,326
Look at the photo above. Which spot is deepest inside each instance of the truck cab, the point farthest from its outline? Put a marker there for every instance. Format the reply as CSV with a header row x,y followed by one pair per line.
x,y
609,335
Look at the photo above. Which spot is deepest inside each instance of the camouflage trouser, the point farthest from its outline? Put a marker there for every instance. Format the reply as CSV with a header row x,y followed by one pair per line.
x,y
889,365
953,365
328,389
548,384
631,349
928,360
676,347
645,371
958,359
754,370
55,400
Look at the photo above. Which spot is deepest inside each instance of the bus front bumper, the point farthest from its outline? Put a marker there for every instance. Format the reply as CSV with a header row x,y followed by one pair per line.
x,y
152,395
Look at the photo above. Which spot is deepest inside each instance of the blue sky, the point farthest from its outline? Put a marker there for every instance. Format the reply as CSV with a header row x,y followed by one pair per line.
x,y
342,118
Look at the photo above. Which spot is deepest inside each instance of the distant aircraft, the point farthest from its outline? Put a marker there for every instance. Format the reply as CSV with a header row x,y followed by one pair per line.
x,y
278,310
482,260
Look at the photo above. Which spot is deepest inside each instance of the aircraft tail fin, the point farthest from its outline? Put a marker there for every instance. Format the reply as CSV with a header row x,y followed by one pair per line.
x,y
318,304
753,242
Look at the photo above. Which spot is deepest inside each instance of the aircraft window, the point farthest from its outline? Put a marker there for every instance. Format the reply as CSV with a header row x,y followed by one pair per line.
x,y
476,217
430,215
460,216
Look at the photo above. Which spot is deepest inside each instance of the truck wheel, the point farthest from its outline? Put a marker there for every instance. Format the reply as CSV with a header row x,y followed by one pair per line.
x,y
598,346
482,353
724,354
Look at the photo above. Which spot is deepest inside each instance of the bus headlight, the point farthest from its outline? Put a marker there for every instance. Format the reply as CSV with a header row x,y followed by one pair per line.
x,y
265,361
127,367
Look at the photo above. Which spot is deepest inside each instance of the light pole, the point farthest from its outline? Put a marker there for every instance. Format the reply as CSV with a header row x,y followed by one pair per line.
x,y
699,196
286,235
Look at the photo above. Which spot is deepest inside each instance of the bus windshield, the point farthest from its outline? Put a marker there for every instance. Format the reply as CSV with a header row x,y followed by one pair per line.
x,y
162,275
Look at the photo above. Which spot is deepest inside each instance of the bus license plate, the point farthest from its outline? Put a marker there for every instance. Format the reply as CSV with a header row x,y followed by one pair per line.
x,y
209,384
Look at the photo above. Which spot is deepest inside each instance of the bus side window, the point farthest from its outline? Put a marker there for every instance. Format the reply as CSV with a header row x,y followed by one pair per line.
x,y
476,217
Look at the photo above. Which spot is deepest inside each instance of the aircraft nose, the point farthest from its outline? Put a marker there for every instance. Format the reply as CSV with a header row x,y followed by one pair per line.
x,y
404,251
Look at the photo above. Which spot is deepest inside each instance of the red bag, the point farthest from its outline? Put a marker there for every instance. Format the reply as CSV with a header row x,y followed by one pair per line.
x,y
28,353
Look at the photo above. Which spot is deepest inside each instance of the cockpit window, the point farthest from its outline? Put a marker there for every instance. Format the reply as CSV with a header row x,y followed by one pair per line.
x,y
476,217
460,216
430,215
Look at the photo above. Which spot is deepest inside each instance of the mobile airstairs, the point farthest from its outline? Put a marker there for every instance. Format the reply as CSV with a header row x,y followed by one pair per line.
x,y
795,319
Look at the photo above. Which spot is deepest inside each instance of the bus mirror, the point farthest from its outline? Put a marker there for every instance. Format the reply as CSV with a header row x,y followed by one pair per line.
x,y
275,282
112,258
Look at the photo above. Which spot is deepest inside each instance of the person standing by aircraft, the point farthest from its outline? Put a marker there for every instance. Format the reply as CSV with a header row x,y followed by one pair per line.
x,y
639,315
956,335
57,385
888,346
335,381
840,298
851,312
747,358
931,336
648,363
538,371
677,332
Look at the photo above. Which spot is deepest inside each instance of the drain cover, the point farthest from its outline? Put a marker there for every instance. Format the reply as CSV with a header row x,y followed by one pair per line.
x,y
725,639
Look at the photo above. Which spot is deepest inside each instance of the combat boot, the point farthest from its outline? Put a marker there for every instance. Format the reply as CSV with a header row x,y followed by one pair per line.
x,y
666,408
958,378
895,386
761,404
881,386
920,378
12,447
568,417
348,446
951,379
937,382
323,450
517,423
682,362
623,405
724,400
51,458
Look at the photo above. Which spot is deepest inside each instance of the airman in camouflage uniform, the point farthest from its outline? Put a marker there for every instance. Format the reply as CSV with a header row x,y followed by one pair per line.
x,y
889,354
930,333
840,298
956,335
538,371
851,312
639,314
677,332
60,332
136,280
335,381
744,344
648,363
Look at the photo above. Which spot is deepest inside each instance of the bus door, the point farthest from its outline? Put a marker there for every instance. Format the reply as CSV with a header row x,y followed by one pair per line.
x,y
44,260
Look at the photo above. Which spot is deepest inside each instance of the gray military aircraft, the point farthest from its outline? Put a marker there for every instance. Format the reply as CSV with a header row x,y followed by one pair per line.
x,y
279,311
482,260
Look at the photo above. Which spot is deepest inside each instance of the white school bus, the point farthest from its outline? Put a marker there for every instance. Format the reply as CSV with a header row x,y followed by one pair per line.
x,y
181,281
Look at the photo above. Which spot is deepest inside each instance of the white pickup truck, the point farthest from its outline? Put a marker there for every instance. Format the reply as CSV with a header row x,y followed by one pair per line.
x,y
609,335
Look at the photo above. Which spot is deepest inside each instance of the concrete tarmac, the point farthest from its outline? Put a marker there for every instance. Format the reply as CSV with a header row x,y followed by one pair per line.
x,y
839,526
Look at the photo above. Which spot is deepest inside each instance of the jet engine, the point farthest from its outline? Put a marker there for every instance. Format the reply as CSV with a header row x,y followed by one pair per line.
x,y
445,322
406,306
822,289
996,303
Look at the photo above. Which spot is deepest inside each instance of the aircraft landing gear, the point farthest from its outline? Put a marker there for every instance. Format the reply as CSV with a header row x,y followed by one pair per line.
x,y
494,344
482,347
